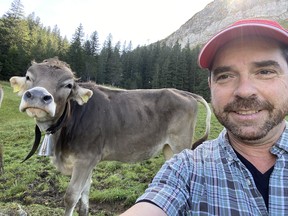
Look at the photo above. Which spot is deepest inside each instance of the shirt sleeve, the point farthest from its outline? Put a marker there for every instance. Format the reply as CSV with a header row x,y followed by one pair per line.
x,y
171,186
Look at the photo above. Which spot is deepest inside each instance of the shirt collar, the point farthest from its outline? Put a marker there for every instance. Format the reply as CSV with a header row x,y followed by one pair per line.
x,y
227,148
281,146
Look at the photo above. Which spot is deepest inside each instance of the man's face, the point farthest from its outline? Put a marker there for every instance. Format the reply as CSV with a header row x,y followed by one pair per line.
x,y
249,88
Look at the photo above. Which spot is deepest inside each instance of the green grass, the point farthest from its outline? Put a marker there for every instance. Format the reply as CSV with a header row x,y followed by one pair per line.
x,y
36,187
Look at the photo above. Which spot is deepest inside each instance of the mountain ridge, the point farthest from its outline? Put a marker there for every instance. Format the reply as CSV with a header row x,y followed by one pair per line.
x,y
221,13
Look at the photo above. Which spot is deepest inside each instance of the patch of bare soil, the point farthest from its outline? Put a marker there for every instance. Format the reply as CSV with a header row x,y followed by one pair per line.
x,y
52,198
55,201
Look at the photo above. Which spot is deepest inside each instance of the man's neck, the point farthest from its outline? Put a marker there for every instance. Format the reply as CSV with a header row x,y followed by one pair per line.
x,y
259,156
258,152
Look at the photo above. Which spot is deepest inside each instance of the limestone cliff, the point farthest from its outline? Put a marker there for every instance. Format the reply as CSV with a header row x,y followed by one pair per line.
x,y
220,13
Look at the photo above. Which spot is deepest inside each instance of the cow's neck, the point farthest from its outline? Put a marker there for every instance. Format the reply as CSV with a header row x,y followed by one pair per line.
x,y
46,147
60,122
53,128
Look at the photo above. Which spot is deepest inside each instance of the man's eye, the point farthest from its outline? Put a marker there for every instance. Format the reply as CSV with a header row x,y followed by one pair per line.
x,y
222,77
266,74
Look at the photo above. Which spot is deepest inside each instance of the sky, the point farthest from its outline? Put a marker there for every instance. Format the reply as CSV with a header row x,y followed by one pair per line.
x,y
140,21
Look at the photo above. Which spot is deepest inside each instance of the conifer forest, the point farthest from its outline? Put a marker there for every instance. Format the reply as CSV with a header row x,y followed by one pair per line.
x,y
24,38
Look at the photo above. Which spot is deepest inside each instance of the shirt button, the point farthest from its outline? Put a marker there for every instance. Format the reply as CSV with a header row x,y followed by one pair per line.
x,y
248,182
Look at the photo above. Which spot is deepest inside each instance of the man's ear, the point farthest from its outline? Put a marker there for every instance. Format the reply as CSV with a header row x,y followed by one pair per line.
x,y
209,81
81,95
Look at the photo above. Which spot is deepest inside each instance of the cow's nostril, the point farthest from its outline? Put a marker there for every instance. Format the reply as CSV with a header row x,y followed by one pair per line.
x,y
47,98
28,94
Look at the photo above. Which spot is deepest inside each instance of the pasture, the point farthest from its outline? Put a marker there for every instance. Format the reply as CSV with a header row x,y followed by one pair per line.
x,y
37,188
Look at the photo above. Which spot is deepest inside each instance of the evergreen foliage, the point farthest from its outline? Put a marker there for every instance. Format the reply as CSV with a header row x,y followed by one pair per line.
x,y
23,39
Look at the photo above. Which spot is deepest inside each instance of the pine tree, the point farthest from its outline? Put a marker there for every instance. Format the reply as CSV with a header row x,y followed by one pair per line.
x,y
75,53
91,48
94,44
16,11
15,40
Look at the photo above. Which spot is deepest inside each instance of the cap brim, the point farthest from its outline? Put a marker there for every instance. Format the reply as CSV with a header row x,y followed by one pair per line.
x,y
208,52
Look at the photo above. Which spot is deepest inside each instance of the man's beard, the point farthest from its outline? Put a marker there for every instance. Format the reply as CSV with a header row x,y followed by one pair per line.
x,y
274,118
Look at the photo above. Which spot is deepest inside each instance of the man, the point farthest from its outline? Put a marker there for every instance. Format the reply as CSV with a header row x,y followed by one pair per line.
x,y
244,171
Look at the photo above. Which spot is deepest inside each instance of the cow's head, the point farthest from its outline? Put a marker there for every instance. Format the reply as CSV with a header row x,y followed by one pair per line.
x,y
46,89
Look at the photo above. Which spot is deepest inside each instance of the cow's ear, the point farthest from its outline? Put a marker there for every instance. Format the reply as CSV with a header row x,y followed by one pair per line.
x,y
18,84
82,95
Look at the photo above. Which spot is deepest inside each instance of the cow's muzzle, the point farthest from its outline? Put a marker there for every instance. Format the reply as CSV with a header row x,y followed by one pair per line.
x,y
38,103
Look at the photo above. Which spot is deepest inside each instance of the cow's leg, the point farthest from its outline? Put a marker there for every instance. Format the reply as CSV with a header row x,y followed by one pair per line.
x,y
84,200
80,175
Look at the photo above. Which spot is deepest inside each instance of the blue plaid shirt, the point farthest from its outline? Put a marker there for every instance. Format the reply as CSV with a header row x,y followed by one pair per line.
x,y
211,180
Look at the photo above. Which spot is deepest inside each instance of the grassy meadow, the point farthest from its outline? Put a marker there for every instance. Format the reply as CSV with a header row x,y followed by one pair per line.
x,y
37,188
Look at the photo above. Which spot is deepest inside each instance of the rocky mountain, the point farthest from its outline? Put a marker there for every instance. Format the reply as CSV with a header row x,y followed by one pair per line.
x,y
221,13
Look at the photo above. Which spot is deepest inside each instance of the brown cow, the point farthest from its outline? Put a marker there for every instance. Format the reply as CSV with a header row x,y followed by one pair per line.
x,y
87,123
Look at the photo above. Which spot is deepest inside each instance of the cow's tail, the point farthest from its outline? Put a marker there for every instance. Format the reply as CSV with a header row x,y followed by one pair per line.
x,y
208,117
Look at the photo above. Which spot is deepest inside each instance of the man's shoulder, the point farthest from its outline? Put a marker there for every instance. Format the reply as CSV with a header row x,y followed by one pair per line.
x,y
208,150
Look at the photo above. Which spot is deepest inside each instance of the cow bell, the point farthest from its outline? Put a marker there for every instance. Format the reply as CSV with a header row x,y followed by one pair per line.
x,y
46,146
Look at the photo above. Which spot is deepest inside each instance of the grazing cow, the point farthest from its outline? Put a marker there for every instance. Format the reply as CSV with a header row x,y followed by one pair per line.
x,y
86,123
1,147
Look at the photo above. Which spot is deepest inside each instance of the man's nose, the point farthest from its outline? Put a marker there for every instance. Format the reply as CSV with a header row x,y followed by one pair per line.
x,y
245,87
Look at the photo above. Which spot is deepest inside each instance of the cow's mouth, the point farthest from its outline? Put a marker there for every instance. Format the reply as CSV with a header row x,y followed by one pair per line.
x,y
35,112
38,112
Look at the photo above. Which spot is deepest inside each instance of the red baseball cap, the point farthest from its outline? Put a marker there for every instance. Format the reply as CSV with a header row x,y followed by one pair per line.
x,y
261,27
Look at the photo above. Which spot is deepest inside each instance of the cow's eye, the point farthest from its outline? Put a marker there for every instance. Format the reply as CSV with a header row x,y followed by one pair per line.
x,y
69,86
28,78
